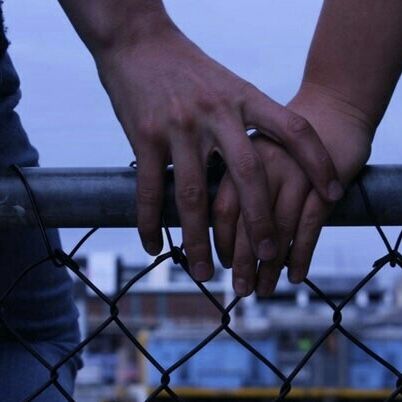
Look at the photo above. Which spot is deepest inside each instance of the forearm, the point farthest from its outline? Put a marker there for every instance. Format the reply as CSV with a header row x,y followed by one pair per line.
x,y
356,54
111,24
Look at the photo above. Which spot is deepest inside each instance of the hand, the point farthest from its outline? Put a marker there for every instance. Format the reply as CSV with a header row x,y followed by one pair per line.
x,y
299,212
178,105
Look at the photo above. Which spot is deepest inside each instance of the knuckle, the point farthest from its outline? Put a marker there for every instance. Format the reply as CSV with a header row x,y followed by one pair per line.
x,y
311,221
271,153
248,165
149,131
247,89
148,195
191,195
298,125
285,226
196,248
296,178
224,211
221,105
245,96
255,221
243,265
184,121
181,118
324,159
207,104
193,244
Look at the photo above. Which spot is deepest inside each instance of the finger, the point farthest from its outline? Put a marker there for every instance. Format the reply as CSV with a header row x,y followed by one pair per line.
x,y
192,203
299,138
150,189
314,214
248,175
244,263
226,212
288,209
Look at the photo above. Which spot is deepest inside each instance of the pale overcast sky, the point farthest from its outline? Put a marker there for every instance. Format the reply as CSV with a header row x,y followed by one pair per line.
x,y
69,119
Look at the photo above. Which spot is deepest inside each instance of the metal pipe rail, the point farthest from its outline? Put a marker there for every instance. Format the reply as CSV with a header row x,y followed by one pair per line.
x,y
105,197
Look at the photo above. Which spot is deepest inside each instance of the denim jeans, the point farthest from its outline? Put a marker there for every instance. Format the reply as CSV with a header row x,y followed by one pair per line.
x,y
41,307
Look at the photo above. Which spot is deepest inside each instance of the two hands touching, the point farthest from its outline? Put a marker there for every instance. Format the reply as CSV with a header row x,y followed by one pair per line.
x,y
298,210
197,108
179,106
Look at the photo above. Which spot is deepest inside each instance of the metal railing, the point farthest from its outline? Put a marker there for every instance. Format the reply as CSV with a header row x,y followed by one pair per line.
x,y
106,198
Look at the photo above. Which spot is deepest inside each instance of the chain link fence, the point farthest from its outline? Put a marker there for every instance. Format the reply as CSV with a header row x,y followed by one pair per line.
x,y
176,254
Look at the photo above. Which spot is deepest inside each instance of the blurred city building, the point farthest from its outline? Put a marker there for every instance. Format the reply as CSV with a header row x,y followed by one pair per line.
x,y
168,315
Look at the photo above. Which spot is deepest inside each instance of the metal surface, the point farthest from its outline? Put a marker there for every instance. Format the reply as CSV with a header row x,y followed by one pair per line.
x,y
105,197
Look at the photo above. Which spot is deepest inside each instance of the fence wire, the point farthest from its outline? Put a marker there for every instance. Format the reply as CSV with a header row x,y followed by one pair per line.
x,y
61,258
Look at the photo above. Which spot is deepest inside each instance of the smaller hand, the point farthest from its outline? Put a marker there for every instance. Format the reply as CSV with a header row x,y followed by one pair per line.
x,y
289,188
298,211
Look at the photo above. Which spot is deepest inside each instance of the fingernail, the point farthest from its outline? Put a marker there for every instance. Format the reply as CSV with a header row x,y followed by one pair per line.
x,y
226,263
241,287
152,247
296,279
265,289
201,271
335,190
265,292
267,250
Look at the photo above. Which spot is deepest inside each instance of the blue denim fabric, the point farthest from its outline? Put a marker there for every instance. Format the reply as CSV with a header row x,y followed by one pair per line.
x,y
41,307
3,40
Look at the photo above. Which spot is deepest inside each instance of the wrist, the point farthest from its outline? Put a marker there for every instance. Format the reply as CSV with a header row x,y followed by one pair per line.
x,y
316,99
108,27
345,131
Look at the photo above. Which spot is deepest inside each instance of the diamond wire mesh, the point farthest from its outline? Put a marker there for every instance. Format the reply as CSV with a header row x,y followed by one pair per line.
x,y
61,258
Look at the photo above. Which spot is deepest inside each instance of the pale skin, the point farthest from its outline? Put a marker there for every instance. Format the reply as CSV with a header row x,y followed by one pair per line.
x,y
177,105
354,64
